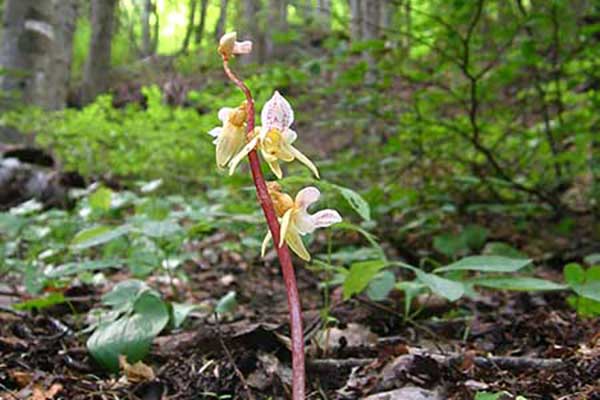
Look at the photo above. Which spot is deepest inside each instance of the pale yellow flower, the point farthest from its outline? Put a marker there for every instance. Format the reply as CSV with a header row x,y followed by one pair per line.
x,y
275,138
295,219
228,45
231,137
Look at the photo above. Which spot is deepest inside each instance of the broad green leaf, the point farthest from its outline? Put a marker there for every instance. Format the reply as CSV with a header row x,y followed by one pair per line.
x,y
518,283
97,235
486,264
159,229
73,268
446,288
10,224
180,312
40,303
360,275
130,335
585,283
124,294
227,303
592,259
450,244
490,396
100,200
574,274
381,285
474,236
503,250
356,201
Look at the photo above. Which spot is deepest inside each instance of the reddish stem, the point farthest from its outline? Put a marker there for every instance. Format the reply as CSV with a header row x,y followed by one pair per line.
x,y
298,374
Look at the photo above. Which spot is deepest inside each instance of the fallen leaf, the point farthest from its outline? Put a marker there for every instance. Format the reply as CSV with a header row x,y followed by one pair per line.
x,y
21,378
39,393
135,373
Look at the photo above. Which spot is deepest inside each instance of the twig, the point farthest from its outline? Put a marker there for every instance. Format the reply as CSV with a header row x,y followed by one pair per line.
x,y
232,361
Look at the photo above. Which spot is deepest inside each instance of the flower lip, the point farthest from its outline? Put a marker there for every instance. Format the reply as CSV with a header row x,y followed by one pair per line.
x,y
277,113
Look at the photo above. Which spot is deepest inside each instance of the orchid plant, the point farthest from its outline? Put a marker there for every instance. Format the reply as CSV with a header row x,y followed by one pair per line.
x,y
288,219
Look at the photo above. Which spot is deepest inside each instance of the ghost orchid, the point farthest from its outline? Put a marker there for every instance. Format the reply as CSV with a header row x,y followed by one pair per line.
x,y
275,138
295,219
229,46
230,138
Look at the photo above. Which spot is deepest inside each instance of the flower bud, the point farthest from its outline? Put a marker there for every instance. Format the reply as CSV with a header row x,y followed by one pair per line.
x,y
228,45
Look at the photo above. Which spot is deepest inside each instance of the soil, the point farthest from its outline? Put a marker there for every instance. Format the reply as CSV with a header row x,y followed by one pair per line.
x,y
533,345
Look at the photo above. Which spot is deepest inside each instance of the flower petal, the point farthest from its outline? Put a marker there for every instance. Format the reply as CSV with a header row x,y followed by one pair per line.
x,y
277,113
244,47
240,156
290,136
325,218
265,244
276,168
303,222
306,197
215,132
230,142
305,160
224,113
285,225
293,239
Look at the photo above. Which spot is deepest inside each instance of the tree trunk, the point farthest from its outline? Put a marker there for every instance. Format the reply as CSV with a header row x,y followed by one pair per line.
x,y
200,28
277,22
356,31
36,50
97,65
148,42
324,14
66,12
222,22
251,24
190,27
371,18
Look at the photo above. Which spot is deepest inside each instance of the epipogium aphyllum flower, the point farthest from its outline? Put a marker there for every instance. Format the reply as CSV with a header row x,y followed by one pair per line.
x,y
295,219
229,46
231,137
274,139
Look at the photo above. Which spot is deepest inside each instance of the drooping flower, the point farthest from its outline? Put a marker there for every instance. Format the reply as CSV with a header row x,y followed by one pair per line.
x,y
295,219
231,137
229,46
275,138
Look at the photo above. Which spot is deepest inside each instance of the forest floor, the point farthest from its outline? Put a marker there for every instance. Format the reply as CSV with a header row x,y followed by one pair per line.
x,y
531,345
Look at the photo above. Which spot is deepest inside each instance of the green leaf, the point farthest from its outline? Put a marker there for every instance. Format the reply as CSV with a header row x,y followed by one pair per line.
x,y
40,303
124,294
130,335
518,283
101,199
592,259
227,303
356,201
180,313
574,274
446,288
381,285
503,250
360,275
490,396
450,244
97,235
486,264
73,268
474,236
160,229
586,283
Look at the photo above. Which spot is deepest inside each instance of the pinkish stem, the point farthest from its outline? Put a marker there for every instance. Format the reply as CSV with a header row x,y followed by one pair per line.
x,y
298,370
